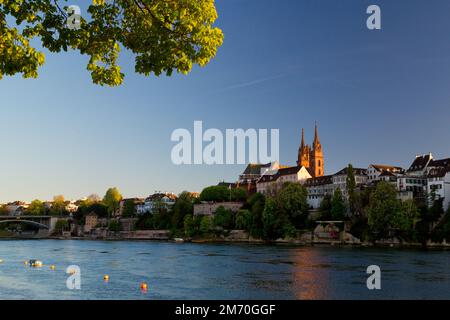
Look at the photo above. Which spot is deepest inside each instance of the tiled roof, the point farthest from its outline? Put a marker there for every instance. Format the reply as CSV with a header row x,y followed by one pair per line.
x,y
255,168
440,163
288,170
420,162
438,172
268,178
356,171
382,167
318,181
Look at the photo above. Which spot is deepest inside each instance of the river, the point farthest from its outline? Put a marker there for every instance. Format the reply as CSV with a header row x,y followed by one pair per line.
x,y
218,271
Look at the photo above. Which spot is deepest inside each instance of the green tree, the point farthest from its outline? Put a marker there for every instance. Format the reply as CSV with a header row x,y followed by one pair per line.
x,y
58,206
243,219
436,210
112,199
189,226
272,229
292,202
162,35
325,208
215,193
238,194
37,208
406,218
338,205
183,207
257,203
205,225
61,225
223,218
351,189
129,208
114,226
383,207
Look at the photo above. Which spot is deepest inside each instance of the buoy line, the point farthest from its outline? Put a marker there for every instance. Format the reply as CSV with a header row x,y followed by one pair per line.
x,y
37,264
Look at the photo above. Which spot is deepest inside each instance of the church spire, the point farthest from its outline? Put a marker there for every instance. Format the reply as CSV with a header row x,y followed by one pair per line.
x,y
303,139
316,136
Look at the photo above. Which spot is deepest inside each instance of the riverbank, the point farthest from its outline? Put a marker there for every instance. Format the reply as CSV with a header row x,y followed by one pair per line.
x,y
240,237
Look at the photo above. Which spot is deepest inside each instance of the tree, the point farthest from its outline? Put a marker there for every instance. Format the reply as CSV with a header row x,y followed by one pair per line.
x,y
351,189
129,208
436,210
238,194
36,208
93,198
61,225
223,218
215,193
383,207
338,205
189,226
205,225
243,219
162,35
114,226
58,206
183,207
406,218
4,210
325,208
271,226
257,203
292,202
112,199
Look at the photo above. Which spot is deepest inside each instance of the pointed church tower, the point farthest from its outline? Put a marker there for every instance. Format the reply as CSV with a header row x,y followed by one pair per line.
x,y
303,153
316,158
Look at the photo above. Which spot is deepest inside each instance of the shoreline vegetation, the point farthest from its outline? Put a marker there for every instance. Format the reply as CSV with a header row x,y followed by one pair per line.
x,y
290,242
372,215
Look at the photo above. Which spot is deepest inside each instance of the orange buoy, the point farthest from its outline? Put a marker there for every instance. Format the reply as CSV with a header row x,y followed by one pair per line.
x,y
144,286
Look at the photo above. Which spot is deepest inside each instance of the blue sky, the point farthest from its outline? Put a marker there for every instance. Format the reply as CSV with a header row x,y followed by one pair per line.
x,y
378,97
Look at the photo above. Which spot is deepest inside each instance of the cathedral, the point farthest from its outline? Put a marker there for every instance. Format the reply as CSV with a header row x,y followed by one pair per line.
x,y
311,157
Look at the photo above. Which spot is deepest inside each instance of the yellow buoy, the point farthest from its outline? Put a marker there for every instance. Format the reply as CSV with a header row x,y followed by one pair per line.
x,y
144,286
52,267
106,278
1,261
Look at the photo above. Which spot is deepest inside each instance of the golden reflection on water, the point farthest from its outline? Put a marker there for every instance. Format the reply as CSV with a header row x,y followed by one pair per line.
x,y
311,275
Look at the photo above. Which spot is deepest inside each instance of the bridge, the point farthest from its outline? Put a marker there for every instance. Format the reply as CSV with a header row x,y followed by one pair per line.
x,y
41,222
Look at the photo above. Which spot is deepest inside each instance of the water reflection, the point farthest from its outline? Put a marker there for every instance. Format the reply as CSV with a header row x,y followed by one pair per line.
x,y
311,275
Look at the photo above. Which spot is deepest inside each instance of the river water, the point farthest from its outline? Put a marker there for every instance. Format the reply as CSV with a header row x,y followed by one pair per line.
x,y
218,271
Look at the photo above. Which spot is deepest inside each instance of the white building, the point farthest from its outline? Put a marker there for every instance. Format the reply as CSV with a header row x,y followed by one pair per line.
x,y
340,179
158,199
318,188
275,181
438,183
